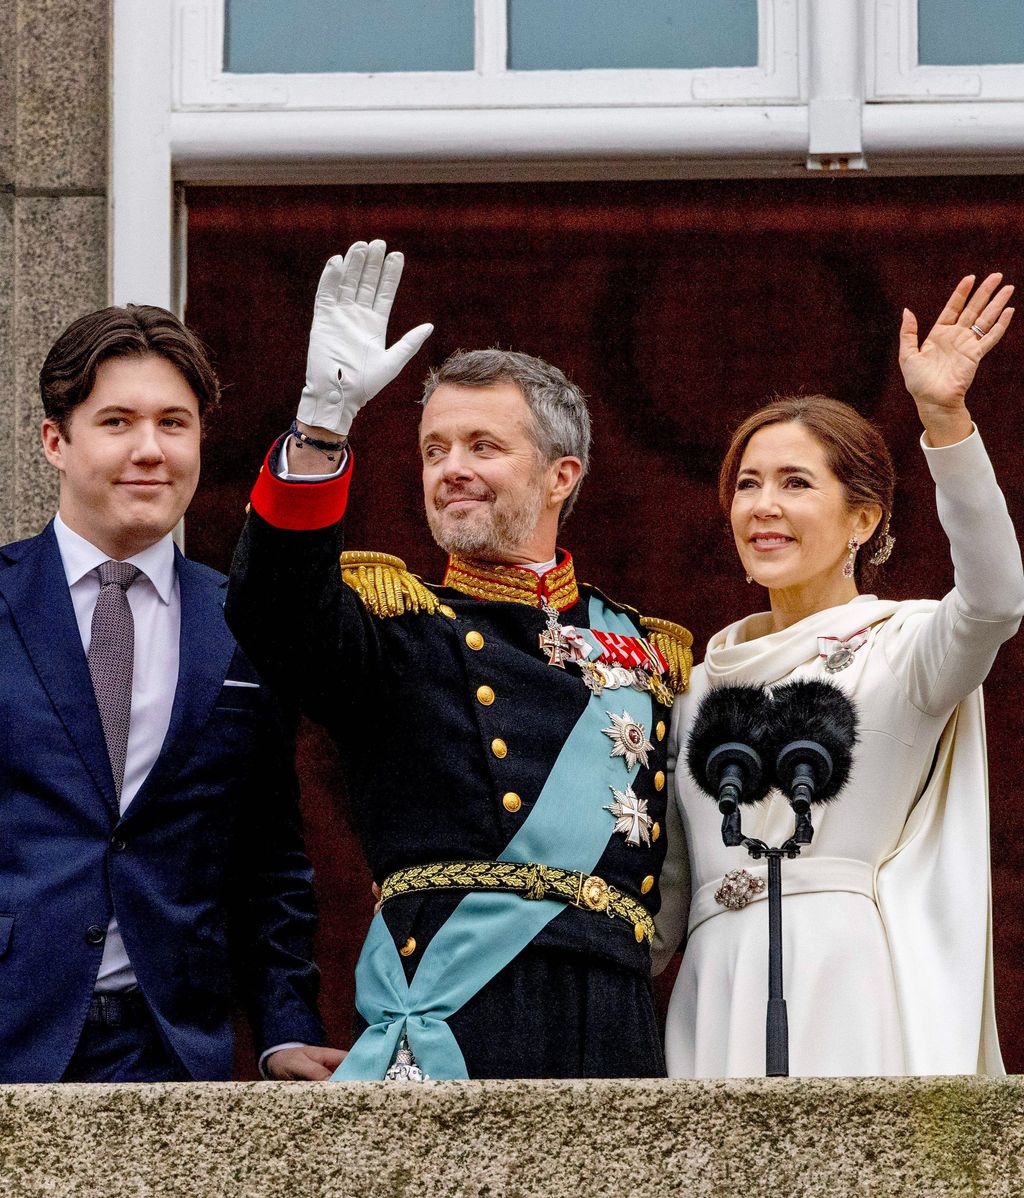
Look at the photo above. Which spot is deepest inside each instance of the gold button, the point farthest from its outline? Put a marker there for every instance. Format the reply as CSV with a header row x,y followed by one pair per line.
x,y
474,640
659,780
647,884
639,931
655,831
498,747
659,730
445,610
511,801
485,695
409,947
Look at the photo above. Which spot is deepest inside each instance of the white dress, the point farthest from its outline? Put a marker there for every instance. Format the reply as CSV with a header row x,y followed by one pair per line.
x,y
886,916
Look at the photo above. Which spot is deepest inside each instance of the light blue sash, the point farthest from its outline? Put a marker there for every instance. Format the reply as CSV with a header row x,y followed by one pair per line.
x,y
568,827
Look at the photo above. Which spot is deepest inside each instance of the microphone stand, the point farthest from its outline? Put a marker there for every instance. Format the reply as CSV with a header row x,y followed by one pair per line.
x,y
813,715
776,1049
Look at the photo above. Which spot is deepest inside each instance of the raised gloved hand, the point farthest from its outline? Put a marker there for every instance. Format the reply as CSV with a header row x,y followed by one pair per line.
x,y
348,360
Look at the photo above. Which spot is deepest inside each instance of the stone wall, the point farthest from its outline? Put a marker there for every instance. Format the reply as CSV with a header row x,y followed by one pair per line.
x,y
54,102
920,1137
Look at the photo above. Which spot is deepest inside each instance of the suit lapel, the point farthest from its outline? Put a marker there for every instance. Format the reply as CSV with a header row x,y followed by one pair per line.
x,y
36,591
205,651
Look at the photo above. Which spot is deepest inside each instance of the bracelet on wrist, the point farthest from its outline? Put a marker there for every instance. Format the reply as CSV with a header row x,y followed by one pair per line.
x,y
330,449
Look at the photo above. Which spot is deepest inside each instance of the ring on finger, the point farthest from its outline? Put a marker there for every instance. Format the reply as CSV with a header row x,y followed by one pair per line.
x,y
978,331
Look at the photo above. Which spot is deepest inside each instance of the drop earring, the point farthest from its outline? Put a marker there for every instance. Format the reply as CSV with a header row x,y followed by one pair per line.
x,y
885,544
750,579
853,545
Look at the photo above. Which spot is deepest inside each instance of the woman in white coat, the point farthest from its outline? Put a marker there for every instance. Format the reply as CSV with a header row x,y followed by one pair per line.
x,y
886,915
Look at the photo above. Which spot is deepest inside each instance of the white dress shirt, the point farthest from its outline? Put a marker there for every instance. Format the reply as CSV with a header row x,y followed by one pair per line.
x,y
155,603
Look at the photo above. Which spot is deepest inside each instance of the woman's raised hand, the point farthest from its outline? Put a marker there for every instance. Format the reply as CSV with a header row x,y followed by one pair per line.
x,y
939,371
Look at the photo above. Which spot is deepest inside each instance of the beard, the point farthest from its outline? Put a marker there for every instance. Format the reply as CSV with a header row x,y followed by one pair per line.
x,y
493,531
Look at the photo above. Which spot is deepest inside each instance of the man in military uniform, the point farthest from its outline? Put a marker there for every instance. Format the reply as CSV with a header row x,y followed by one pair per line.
x,y
503,734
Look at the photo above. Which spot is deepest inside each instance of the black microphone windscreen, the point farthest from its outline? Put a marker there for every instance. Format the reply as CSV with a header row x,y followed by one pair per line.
x,y
818,711
729,714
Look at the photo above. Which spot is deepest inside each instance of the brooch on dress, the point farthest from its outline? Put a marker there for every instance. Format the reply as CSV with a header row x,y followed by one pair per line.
x,y
737,889
838,651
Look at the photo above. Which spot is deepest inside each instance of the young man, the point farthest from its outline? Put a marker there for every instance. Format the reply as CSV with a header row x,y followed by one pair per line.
x,y
151,855
503,733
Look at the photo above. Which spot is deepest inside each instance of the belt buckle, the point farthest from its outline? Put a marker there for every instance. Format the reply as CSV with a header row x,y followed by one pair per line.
x,y
594,893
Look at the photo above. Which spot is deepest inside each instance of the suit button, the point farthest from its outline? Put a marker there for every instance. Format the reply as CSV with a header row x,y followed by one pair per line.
x,y
474,640
485,695
647,884
639,932
511,801
659,730
659,780
94,934
655,831
409,947
118,844
498,747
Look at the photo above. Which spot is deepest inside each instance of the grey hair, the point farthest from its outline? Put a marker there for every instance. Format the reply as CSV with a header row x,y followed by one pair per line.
x,y
560,418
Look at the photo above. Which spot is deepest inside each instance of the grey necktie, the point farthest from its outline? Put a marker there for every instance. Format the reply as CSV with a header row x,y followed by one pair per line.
x,y
111,656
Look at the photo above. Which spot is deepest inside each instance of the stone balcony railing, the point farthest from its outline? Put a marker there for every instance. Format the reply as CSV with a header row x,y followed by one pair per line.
x,y
922,1137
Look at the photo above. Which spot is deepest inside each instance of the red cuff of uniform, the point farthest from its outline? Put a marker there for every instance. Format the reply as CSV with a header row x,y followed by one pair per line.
x,y
301,507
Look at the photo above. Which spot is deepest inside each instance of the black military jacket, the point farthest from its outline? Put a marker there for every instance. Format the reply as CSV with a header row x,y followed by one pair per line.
x,y
447,722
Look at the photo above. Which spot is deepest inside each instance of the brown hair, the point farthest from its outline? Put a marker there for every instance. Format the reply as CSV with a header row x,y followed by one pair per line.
x,y
137,330
854,448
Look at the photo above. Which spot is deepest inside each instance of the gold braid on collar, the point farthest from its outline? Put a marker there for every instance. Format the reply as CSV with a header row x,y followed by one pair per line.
x,y
513,584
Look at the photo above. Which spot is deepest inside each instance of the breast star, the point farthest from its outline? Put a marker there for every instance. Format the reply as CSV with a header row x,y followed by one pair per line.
x,y
629,740
631,818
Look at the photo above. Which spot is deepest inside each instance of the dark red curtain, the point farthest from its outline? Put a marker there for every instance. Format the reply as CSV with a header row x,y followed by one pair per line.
x,y
678,307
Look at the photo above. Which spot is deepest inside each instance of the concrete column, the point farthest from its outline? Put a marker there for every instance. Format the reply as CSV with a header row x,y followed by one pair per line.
x,y
54,101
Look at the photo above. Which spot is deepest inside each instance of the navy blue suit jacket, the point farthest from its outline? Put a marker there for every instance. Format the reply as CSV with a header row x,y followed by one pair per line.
x,y
206,870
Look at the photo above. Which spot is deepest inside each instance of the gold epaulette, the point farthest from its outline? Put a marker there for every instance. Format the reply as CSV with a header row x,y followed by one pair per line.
x,y
673,642
385,585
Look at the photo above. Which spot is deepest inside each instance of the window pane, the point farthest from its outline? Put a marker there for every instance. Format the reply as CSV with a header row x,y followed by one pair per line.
x,y
565,35
970,32
348,35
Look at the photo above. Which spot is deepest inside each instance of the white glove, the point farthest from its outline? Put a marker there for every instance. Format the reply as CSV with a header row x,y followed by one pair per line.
x,y
348,362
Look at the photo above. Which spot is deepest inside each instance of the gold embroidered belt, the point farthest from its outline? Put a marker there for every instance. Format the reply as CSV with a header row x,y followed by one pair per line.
x,y
529,881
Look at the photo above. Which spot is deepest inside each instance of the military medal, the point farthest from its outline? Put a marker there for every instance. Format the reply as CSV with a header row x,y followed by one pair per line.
x,y
624,661
659,691
561,642
553,640
405,1068
595,677
629,740
631,818
839,652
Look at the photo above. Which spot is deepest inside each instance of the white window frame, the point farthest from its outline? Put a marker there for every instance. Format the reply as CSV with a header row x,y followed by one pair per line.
x,y
897,75
176,119
202,83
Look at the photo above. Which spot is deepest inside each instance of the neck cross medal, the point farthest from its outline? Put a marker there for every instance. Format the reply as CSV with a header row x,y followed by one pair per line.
x,y
556,641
